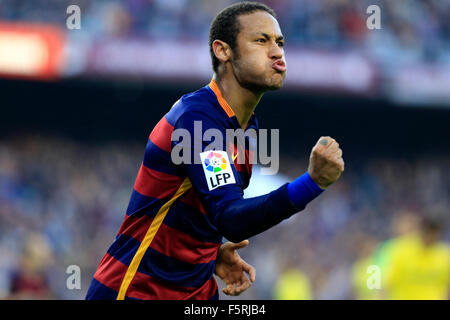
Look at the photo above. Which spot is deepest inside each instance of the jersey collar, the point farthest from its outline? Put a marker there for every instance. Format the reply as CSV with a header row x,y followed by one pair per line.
x,y
225,106
223,103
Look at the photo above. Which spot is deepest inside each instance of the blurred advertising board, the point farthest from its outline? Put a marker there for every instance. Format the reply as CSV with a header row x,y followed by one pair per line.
x,y
190,61
421,84
31,51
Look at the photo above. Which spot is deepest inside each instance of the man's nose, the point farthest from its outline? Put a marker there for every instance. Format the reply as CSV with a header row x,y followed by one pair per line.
x,y
276,52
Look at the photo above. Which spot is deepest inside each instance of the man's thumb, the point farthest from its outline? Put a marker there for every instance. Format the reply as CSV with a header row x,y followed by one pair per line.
x,y
241,244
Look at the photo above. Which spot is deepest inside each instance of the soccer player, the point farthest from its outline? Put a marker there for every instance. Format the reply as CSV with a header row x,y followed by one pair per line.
x,y
418,264
170,243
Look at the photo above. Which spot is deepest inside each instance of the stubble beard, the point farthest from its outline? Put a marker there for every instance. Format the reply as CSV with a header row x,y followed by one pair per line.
x,y
255,83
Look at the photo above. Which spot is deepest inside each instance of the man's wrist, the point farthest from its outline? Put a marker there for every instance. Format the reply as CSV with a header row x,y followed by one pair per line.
x,y
316,180
303,190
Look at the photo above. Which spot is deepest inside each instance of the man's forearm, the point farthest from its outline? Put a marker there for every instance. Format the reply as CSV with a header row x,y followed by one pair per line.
x,y
244,218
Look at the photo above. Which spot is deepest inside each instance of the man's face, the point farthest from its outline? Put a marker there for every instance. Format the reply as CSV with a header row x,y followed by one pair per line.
x,y
259,63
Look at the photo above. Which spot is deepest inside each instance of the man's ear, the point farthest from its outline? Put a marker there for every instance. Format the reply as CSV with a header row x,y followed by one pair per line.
x,y
222,51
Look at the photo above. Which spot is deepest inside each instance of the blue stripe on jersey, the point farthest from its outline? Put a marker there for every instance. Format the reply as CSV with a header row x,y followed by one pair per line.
x,y
178,272
203,97
98,291
140,204
159,160
192,222
124,248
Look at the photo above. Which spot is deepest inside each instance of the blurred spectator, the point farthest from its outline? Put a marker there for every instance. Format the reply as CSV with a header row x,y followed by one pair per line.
x,y
292,284
361,271
29,279
419,265
403,224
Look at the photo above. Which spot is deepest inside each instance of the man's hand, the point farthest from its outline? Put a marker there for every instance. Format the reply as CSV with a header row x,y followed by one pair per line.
x,y
231,269
325,163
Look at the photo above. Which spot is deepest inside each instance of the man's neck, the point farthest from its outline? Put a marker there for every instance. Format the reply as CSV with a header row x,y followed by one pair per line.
x,y
243,101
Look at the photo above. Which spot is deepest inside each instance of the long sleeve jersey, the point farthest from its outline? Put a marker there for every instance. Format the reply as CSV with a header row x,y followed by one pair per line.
x,y
179,213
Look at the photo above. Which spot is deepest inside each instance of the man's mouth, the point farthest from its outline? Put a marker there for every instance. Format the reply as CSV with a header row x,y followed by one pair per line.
x,y
279,65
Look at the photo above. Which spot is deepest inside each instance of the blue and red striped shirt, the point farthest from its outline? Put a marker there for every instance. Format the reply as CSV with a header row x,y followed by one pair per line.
x,y
167,245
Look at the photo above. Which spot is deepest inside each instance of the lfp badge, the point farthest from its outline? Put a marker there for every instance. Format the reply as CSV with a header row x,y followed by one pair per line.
x,y
217,168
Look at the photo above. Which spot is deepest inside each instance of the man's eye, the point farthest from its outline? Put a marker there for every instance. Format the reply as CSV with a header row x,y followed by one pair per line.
x,y
262,40
281,44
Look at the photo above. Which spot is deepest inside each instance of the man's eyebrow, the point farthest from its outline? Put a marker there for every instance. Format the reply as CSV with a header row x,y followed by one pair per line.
x,y
265,35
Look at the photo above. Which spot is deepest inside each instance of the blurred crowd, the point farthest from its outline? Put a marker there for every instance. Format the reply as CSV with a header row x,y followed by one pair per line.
x,y
411,30
69,196
325,252
62,203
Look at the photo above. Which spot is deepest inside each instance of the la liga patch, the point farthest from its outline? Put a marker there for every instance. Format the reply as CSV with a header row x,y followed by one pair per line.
x,y
217,169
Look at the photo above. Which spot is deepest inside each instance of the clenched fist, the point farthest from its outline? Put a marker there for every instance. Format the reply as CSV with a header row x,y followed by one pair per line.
x,y
325,163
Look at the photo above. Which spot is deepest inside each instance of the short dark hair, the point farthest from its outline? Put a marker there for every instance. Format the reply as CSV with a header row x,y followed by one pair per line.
x,y
225,25
431,224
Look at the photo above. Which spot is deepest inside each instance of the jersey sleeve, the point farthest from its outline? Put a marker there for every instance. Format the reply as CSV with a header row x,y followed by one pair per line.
x,y
220,189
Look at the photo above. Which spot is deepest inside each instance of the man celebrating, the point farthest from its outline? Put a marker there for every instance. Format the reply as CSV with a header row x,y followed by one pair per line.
x,y
170,243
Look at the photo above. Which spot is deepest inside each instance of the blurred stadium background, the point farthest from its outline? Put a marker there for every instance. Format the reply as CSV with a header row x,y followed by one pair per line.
x,y
77,107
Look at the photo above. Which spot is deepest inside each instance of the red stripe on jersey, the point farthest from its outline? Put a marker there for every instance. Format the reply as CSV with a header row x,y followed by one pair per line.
x,y
136,226
111,272
156,184
249,158
181,246
161,135
205,292
146,287
192,199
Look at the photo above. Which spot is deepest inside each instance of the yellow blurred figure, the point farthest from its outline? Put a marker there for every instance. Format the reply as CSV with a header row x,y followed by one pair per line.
x,y
362,273
419,265
404,223
293,284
